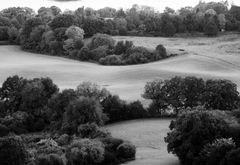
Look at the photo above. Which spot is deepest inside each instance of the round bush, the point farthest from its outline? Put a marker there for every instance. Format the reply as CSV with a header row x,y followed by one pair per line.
x,y
160,52
12,151
85,152
126,151
101,40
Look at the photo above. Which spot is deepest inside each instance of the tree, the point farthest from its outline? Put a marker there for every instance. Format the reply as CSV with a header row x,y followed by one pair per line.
x,y
74,32
221,94
62,20
167,27
191,131
211,28
101,40
88,89
81,111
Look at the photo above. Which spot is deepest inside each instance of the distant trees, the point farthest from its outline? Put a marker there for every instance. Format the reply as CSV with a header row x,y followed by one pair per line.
x,y
191,92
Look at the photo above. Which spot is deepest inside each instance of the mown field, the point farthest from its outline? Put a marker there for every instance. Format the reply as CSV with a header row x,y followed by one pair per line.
x,y
204,57
148,135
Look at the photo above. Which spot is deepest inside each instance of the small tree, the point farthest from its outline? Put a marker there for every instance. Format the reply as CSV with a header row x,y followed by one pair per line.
x,y
211,28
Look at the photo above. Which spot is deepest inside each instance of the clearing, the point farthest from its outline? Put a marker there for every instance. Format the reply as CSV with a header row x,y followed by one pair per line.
x,y
148,136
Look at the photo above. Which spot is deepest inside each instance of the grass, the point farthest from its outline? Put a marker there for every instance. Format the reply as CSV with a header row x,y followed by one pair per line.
x,y
211,59
148,135
204,57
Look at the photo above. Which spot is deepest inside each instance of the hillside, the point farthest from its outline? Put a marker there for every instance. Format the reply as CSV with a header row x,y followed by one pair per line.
x,y
204,57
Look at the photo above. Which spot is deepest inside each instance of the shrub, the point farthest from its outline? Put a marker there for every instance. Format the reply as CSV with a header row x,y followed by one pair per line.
x,y
126,151
84,54
111,60
85,152
121,47
51,159
192,130
63,139
12,151
3,33
233,157
214,153
101,40
160,52
211,29
92,131
48,146
99,52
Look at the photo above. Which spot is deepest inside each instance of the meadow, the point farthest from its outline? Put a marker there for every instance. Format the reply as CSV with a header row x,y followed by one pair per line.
x,y
202,57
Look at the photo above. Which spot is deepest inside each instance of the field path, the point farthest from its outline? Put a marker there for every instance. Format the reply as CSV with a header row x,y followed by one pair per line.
x,y
148,136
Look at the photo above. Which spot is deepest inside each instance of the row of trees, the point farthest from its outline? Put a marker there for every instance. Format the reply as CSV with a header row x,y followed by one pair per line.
x,y
64,126
180,93
138,20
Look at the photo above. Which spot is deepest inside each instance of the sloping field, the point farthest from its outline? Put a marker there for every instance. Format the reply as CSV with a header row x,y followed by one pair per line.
x,y
204,57
148,136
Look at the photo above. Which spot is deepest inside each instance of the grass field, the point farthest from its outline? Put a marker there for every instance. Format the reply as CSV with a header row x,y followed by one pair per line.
x,y
203,57
148,136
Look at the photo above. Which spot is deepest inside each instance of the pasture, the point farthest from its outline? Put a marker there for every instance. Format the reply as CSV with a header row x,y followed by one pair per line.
x,y
204,57
148,136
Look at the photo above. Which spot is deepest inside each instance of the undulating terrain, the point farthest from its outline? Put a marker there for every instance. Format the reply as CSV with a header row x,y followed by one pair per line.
x,y
204,57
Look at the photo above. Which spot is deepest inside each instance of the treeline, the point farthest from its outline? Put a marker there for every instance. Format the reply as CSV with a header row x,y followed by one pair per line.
x,y
138,20
65,126
40,125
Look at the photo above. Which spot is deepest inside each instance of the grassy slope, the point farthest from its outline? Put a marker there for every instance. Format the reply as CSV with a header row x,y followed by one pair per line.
x,y
148,136
205,57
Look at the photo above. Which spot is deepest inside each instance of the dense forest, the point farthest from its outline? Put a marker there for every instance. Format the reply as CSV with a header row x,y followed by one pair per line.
x,y
51,31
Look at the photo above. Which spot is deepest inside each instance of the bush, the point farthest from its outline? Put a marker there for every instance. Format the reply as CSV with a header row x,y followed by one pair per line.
x,y
233,157
92,131
214,153
101,40
63,139
84,54
12,151
3,33
51,159
111,60
192,130
122,47
98,53
85,152
126,151
211,29
160,52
